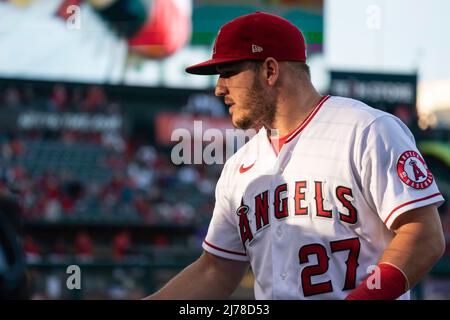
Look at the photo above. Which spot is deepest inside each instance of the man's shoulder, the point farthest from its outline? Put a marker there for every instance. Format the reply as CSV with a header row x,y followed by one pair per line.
x,y
343,109
363,118
346,106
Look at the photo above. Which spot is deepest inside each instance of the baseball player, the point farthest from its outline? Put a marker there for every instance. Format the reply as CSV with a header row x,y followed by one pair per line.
x,y
339,205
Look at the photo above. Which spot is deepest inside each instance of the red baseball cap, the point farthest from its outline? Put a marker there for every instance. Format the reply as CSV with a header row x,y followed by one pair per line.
x,y
254,36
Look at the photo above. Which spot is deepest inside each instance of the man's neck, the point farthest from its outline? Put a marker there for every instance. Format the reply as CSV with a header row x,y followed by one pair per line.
x,y
291,112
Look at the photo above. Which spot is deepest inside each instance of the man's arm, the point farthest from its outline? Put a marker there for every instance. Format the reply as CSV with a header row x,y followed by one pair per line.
x,y
418,244
416,247
209,277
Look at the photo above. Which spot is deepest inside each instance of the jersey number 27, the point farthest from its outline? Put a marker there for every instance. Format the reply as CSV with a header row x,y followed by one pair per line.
x,y
310,289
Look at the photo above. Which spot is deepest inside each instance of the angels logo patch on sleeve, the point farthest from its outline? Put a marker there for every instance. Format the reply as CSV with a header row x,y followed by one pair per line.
x,y
413,171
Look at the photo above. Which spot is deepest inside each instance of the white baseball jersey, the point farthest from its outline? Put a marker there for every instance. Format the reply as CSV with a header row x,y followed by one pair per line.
x,y
312,219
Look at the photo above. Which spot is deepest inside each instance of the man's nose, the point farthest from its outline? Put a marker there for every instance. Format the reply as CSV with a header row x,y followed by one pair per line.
x,y
221,88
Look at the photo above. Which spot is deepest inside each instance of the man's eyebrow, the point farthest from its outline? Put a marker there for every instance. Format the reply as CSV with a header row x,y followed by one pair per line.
x,y
226,68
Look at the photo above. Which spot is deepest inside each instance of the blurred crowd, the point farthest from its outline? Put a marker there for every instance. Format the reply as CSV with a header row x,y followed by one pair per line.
x,y
140,184
56,98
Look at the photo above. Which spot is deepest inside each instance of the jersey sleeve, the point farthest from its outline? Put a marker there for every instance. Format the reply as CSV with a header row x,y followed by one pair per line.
x,y
223,238
394,175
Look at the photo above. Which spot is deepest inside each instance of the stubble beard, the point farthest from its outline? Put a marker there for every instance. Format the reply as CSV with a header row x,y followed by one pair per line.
x,y
260,108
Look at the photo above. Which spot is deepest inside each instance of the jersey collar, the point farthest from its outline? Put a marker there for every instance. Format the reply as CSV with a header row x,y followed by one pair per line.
x,y
308,119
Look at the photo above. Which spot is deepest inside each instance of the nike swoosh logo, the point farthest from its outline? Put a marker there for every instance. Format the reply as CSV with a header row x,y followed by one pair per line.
x,y
243,169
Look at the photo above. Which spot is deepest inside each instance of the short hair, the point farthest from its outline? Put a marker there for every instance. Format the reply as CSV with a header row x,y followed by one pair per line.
x,y
300,69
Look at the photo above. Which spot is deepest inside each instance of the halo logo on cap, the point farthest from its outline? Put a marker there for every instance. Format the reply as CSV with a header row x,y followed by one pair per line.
x,y
215,42
413,171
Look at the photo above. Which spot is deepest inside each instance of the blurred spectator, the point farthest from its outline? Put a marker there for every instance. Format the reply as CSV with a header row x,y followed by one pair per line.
x,y
188,175
204,104
161,240
59,98
12,98
147,154
30,100
59,250
183,213
116,163
69,136
72,191
110,195
95,99
16,147
141,174
32,249
113,140
144,207
121,245
84,247
76,100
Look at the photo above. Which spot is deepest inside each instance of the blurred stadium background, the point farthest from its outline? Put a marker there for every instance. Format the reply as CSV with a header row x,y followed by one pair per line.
x,y
91,91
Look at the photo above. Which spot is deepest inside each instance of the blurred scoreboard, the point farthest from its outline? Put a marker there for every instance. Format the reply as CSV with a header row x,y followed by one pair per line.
x,y
394,93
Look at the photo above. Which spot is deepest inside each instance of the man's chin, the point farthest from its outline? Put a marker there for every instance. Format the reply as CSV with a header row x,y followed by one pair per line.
x,y
243,124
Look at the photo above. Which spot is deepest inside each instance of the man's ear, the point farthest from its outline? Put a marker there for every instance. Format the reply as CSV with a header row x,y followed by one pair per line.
x,y
271,69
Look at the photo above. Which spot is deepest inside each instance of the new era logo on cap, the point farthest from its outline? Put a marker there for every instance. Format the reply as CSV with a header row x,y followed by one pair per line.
x,y
256,48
